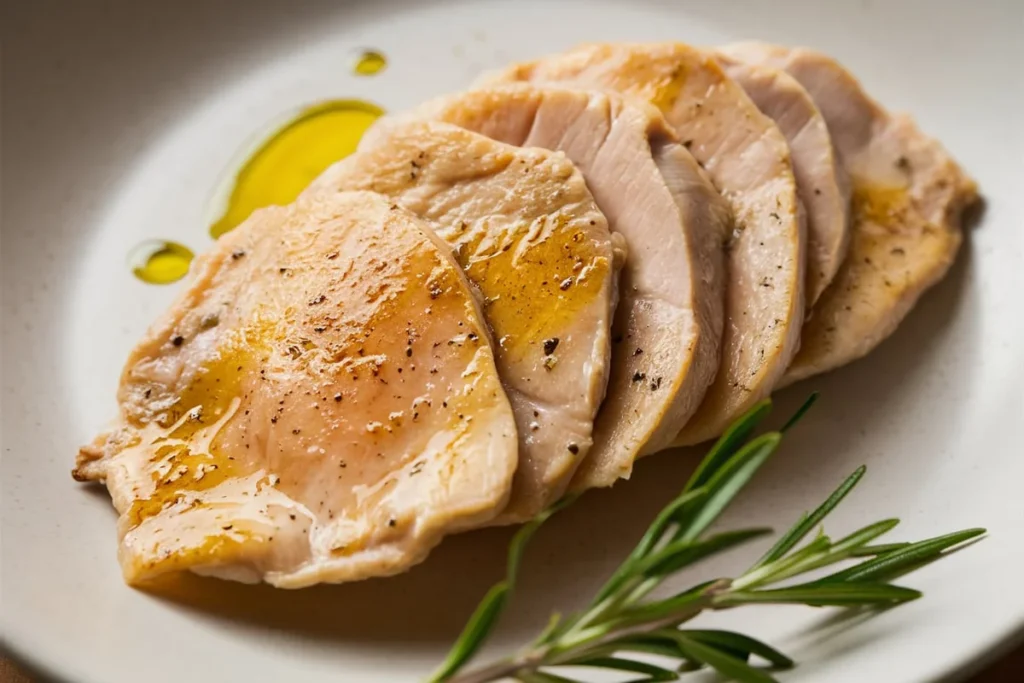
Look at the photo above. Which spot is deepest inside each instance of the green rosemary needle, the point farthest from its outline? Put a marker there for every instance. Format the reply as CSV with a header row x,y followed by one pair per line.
x,y
620,620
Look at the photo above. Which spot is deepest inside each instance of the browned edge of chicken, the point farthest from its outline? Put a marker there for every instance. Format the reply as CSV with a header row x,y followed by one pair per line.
x,y
822,183
909,197
747,158
669,319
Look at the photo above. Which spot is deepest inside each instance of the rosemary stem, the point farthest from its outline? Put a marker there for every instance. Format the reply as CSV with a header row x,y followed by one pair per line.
x,y
642,590
574,650
621,618
598,611
562,652
505,668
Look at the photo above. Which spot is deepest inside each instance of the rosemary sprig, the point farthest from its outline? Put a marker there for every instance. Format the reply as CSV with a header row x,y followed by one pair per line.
x,y
620,620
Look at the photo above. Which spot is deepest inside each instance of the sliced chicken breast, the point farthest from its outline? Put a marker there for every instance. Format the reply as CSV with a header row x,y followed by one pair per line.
x,y
529,234
908,199
748,160
821,181
321,404
669,321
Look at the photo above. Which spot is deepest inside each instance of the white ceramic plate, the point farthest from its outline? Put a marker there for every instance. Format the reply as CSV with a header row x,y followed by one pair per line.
x,y
120,119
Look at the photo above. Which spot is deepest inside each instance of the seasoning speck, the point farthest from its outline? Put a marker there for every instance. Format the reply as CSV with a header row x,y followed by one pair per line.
x,y
550,345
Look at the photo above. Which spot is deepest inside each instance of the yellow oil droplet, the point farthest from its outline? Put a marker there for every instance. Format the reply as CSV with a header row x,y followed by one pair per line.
x,y
159,262
295,155
369,63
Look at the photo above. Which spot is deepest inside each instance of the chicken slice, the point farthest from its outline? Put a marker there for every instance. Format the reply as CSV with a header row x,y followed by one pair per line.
x,y
321,404
527,231
821,181
748,161
909,196
669,320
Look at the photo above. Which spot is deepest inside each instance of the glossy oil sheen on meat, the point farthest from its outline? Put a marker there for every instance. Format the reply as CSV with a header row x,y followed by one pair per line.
x,y
668,325
530,236
321,404
748,160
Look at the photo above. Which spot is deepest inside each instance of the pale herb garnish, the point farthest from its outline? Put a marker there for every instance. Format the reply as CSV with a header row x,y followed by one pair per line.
x,y
620,620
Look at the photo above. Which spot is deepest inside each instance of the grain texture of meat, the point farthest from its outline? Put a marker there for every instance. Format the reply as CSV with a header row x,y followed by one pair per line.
x,y
908,199
748,161
667,332
821,181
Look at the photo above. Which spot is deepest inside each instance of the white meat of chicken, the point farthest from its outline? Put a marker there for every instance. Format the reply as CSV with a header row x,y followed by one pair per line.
x,y
530,236
320,405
